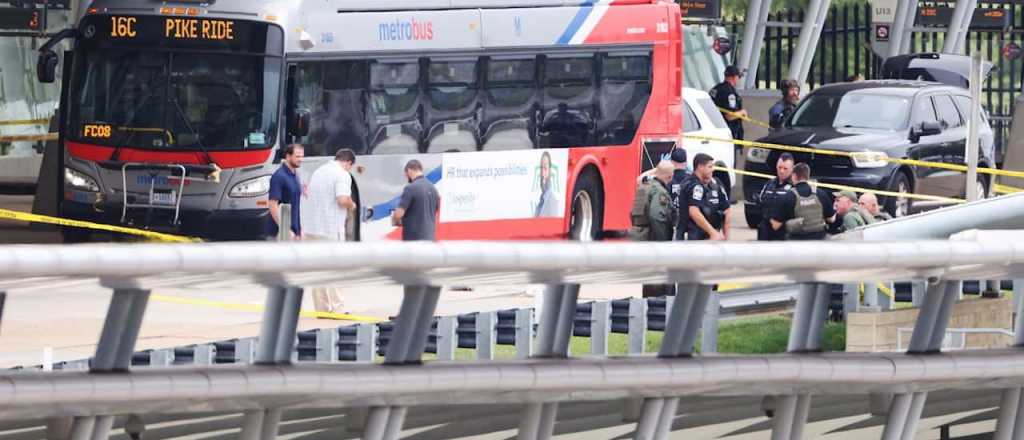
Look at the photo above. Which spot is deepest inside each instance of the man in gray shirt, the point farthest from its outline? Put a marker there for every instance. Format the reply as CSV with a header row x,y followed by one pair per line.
x,y
417,210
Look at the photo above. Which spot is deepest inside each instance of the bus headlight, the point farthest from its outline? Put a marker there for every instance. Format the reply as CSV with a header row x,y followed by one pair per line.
x,y
757,155
78,180
869,159
251,188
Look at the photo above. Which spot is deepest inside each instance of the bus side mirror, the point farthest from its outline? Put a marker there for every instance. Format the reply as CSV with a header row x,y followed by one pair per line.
x,y
46,66
298,122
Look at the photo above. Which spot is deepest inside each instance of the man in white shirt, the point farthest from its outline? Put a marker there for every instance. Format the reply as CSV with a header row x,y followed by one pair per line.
x,y
330,200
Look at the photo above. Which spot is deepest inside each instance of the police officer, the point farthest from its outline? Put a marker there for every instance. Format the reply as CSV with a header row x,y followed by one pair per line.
x,y
675,187
785,106
706,202
770,193
849,213
803,213
725,97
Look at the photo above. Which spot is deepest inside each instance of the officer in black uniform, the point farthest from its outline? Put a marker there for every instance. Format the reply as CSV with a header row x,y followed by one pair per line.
x,y
675,187
789,208
705,202
770,193
725,97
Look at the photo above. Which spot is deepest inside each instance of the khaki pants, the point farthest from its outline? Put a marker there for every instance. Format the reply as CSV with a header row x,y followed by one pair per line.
x,y
326,299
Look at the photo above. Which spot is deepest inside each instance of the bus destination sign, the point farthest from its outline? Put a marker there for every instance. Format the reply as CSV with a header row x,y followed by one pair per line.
x,y
174,28
700,9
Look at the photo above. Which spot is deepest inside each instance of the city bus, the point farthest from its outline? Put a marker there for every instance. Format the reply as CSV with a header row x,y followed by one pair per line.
x,y
532,121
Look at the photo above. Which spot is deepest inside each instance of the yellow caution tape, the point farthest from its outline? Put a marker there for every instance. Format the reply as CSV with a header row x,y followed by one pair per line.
x,y
919,163
36,218
883,289
258,308
1003,189
25,122
745,118
29,137
852,188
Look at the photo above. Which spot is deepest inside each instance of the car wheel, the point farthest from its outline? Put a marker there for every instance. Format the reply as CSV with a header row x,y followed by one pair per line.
x,y
753,218
587,218
900,206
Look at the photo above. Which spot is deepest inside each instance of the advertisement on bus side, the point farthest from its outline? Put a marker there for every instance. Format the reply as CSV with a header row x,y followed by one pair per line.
x,y
503,185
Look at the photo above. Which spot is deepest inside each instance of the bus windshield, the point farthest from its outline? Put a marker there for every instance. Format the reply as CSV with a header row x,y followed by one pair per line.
x,y
138,97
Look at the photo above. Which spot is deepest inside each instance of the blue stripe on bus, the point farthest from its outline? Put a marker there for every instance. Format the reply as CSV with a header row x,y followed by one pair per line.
x,y
383,210
576,23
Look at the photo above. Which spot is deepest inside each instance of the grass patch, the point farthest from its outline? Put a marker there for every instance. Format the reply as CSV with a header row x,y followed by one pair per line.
x,y
761,335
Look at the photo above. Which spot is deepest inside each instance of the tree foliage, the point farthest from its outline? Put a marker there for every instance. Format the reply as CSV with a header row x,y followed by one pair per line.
x,y
734,8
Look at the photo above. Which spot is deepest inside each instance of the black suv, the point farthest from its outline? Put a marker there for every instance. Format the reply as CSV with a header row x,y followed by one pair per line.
x,y
877,120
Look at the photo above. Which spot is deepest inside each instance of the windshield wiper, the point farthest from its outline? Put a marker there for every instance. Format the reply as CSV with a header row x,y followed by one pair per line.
x,y
199,138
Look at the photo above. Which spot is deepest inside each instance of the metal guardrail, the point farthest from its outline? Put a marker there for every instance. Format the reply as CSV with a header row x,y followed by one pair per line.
x,y
480,332
89,402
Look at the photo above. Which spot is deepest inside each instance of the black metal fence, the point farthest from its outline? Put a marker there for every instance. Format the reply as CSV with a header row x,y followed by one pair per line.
x,y
844,51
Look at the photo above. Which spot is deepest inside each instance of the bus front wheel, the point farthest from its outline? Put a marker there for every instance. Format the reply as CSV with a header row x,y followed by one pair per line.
x,y
587,218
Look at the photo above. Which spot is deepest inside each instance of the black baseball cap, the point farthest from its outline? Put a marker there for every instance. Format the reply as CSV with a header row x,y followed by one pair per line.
x,y
733,71
678,155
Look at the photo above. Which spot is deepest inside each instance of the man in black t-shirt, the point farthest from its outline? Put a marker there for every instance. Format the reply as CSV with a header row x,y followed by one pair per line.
x,y
797,212
417,209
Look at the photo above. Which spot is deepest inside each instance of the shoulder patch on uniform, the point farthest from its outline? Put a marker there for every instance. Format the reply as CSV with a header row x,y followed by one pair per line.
x,y
698,192
732,100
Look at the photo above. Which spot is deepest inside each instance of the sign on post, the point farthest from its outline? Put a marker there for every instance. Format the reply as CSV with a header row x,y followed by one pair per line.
x,y
21,19
700,9
983,18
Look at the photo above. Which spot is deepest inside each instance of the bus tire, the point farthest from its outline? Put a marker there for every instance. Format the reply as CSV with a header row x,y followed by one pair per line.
x,y
587,218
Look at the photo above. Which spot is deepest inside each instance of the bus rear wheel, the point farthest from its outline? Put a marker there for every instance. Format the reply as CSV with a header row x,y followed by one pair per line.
x,y
587,220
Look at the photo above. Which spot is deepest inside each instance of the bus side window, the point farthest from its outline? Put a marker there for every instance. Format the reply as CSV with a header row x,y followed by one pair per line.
x,y
393,107
511,98
625,90
568,109
451,113
344,109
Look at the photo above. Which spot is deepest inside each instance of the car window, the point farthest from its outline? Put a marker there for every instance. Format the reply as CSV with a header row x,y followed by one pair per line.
x,y
949,117
963,103
923,112
852,110
690,122
713,113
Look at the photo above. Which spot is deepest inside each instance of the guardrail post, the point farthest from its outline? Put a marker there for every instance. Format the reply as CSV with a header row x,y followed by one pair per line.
x,y
284,229
245,351
161,358
366,342
327,345
637,325
485,337
918,289
554,335
204,354
851,300
600,327
709,328
447,339
870,295
524,333
409,339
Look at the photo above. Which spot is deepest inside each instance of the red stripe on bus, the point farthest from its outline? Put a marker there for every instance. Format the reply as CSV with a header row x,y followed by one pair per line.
x,y
519,229
224,159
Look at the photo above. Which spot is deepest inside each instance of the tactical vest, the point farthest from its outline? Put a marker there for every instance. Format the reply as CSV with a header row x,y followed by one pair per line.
x,y
808,215
641,225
